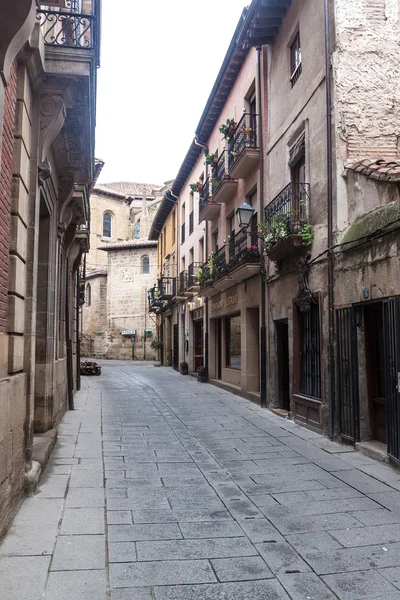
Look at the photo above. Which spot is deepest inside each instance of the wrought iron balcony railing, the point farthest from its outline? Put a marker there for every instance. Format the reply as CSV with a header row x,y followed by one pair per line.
x,y
289,207
214,268
69,28
218,172
192,274
183,279
244,137
191,222
167,288
237,243
204,196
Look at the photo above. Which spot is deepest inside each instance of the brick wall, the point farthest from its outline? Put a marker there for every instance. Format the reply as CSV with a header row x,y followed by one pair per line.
x,y
10,100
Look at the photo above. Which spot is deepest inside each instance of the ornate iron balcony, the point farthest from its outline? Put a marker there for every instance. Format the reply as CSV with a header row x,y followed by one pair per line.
x,y
192,274
183,279
290,206
218,173
167,288
204,195
244,137
68,28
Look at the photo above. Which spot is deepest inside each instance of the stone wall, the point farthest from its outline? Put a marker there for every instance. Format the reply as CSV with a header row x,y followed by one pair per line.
x,y
120,229
94,317
127,302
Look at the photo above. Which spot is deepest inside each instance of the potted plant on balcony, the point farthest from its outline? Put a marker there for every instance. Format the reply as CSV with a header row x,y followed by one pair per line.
x,y
228,129
284,227
201,373
212,159
196,187
184,368
249,142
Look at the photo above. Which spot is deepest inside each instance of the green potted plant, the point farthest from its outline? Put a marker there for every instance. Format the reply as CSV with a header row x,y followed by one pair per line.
x,y
184,367
212,159
228,129
201,373
196,187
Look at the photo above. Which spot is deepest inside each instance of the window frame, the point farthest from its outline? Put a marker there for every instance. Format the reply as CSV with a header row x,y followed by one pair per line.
x,y
136,230
142,271
107,214
295,58
88,295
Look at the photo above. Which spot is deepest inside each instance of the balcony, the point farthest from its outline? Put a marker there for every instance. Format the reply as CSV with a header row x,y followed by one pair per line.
x,y
193,284
230,265
286,228
224,188
183,278
167,288
243,151
71,55
208,208
67,28
153,300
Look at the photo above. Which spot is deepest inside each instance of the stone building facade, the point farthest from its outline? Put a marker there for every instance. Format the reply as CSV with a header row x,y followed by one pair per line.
x,y
120,267
47,116
328,208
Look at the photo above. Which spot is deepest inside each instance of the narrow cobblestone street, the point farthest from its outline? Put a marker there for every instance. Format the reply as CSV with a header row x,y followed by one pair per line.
x,y
161,487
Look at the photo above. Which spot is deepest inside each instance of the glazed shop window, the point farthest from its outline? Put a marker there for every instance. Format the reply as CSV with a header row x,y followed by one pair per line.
x,y
233,343
310,361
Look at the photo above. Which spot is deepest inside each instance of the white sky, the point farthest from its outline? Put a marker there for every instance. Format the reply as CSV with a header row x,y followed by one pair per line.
x,y
159,62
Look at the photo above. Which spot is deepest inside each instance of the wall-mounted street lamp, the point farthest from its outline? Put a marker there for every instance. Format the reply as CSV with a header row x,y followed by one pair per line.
x,y
244,214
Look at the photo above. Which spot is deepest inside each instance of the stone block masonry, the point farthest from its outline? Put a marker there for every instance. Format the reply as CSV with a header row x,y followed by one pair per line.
x,y
5,190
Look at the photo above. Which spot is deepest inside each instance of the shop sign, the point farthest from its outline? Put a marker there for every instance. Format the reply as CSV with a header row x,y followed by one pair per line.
x,y
228,301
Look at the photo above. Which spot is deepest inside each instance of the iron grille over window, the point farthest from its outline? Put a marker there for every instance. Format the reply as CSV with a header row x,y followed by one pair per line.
x,y
310,367
107,220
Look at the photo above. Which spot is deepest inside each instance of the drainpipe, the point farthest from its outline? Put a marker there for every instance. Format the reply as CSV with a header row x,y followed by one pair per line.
x,y
331,315
263,328
206,312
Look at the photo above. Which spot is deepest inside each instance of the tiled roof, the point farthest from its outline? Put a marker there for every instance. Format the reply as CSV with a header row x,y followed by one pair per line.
x,y
379,169
128,244
130,188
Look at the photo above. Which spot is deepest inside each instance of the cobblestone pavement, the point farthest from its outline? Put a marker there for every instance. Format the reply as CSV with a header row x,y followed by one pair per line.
x,y
162,487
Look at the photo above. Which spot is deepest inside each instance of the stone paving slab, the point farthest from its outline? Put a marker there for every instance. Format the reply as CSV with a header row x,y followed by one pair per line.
x,y
79,552
23,577
76,585
167,572
202,495
251,590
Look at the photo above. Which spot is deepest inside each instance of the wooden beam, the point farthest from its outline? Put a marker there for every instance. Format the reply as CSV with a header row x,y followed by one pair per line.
x,y
273,22
260,41
267,13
